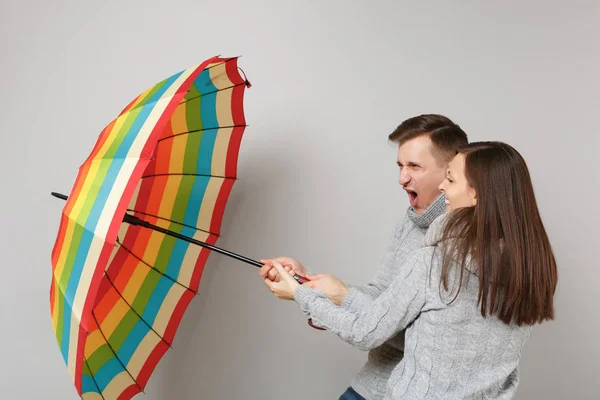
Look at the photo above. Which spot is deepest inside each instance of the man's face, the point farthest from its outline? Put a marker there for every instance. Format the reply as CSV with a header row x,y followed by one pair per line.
x,y
420,172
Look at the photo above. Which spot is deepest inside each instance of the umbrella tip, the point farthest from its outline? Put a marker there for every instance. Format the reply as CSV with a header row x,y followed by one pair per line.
x,y
59,195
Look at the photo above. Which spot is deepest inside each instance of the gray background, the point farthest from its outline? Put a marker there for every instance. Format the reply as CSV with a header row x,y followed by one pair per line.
x,y
318,180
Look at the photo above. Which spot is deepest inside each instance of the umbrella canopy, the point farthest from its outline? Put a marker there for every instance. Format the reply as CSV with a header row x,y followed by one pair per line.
x,y
167,162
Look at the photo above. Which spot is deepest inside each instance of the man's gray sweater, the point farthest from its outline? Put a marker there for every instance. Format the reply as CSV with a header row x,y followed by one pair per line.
x,y
408,236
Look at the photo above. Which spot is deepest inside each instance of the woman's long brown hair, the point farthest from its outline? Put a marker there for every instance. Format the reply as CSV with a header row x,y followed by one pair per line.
x,y
503,235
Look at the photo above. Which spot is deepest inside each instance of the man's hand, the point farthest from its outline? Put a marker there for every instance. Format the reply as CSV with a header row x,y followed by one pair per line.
x,y
285,287
267,271
330,286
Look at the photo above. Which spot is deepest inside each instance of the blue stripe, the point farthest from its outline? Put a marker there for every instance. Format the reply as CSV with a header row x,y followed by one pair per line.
x,y
132,341
88,385
156,299
203,83
203,166
64,348
107,185
107,373
190,218
178,252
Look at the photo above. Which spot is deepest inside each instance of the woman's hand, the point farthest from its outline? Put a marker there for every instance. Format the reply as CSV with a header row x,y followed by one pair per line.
x,y
330,286
286,286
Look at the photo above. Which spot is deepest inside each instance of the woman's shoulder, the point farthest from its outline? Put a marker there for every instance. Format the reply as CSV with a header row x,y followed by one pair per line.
x,y
435,230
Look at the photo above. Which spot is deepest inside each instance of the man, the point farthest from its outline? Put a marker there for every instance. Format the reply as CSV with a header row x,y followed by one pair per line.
x,y
426,143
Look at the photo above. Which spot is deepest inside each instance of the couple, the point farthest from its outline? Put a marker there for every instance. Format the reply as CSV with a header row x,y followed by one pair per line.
x,y
449,310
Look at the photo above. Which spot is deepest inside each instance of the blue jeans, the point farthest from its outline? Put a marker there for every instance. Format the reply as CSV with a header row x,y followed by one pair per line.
x,y
350,394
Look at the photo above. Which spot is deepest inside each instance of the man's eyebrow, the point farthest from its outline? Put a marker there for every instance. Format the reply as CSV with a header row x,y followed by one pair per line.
x,y
410,164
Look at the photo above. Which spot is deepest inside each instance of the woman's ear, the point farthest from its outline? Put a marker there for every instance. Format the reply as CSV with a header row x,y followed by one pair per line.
x,y
473,194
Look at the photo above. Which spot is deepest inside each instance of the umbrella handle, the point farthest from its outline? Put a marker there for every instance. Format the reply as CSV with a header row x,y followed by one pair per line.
x,y
301,279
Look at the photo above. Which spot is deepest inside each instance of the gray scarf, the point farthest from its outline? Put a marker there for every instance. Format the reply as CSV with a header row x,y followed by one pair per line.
x,y
435,209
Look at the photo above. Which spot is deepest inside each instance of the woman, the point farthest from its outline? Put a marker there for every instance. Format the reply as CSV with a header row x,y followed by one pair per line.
x,y
468,299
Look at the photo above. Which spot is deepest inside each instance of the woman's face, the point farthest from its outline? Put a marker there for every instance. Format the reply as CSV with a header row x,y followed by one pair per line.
x,y
455,187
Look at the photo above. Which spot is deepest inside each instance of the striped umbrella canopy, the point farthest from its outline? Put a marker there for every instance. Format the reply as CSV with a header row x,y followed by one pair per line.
x,y
124,264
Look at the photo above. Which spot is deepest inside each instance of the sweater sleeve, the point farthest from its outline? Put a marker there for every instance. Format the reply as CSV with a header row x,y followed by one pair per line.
x,y
361,296
390,313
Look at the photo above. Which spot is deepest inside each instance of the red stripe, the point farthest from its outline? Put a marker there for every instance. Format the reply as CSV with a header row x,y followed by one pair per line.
x,y
178,313
52,295
163,157
79,357
60,239
220,204
129,392
106,300
233,72
200,262
233,149
150,364
130,105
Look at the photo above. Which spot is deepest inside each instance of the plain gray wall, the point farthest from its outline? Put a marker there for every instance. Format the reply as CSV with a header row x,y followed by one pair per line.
x,y
318,180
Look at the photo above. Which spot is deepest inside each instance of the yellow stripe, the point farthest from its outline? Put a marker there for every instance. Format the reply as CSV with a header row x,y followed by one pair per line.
x,y
94,341
55,310
169,196
64,251
89,181
177,154
179,119
115,132
114,317
135,282
153,246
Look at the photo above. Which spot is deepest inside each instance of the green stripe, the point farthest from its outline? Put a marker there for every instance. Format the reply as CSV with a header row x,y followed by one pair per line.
x,y
100,357
120,334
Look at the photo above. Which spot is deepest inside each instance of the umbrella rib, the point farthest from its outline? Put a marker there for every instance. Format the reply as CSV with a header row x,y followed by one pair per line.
x,y
222,62
214,91
113,350
153,268
200,130
175,222
93,378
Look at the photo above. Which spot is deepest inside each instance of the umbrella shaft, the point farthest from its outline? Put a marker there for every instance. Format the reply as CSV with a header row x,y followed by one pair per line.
x,y
136,221
130,219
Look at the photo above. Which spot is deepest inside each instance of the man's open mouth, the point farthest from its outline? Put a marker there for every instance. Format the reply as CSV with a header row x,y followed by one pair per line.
x,y
412,197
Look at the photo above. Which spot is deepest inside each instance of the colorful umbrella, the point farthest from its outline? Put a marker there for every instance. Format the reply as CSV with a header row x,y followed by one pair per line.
x,y
165,166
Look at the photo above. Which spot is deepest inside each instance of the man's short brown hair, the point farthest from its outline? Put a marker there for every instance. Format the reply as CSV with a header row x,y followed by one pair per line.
x,y
445,135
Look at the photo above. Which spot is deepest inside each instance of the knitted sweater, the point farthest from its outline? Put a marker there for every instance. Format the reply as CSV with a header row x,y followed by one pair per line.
x,y
450,350
409,235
